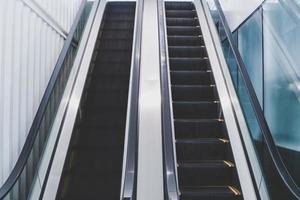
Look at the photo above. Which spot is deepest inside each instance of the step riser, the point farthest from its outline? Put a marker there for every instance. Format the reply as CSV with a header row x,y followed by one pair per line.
x,y
193,93
192,31
185,41
198,130
179,6
209,151
209,197
196,111
181,13
190,78
182,22
180,52
205,176
189,64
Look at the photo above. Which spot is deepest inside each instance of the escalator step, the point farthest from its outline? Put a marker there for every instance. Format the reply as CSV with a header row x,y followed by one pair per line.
x,y
202,149
184,30
117,34
116,44
106,56
187,51
196,110
181,13
90,126
117,10
191,78
185,41
176,21
95,136
205,128
179,6
210,193
123,72
118,25
203,173
194,93
105,84
86,186
120,16
189,63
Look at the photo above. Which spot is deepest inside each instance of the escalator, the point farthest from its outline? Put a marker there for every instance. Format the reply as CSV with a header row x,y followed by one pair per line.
x,y
93,166
205,164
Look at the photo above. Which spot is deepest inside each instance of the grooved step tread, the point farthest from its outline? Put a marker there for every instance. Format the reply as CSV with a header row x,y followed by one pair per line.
x,y
203,141
210,191
206,164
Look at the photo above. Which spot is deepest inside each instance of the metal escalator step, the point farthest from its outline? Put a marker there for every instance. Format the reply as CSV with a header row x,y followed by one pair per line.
x,y
90,185
179,6
210,193
196,110
203,164
106,85
119,9
202,149
108,55
185,40
184,30
109,100
117,34
116,44
176,21
119,16
91,126
187,51
181,13
194,93
93,139
199,128
206,172
110,72
101,117
189,63
191,78
118,25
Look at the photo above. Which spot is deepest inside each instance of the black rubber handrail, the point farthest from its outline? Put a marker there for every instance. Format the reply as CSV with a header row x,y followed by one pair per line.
x,y
130,174
170,173
34,129
265,130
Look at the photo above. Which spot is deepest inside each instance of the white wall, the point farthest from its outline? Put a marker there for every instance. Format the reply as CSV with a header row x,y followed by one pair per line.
x,y
30,42
236,11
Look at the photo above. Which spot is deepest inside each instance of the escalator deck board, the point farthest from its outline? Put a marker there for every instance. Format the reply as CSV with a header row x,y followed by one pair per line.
x,y
93,166
205,163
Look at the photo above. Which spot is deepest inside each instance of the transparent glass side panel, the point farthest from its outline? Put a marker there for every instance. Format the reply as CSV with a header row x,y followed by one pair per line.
x,y
230,60
281,80
269,45
250,47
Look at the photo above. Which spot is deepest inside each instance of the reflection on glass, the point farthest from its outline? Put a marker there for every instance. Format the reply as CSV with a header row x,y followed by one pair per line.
x,y
282,68
250,47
